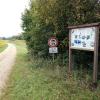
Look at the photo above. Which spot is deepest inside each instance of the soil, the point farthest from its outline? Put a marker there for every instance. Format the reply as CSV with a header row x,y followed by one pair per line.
x,y
7,59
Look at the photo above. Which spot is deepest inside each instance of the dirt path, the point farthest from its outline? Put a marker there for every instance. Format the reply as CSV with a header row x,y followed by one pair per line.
x,y
7,58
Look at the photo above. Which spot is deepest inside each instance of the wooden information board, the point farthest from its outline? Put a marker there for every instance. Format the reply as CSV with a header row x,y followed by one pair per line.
x,y
85,37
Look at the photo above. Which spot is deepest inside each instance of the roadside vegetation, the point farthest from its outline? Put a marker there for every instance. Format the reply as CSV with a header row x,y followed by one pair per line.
x,y
35,76
41,79
46,18
3,45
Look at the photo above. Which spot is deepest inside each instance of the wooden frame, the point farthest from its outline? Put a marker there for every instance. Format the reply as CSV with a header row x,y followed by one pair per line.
x,y
95,67
95,51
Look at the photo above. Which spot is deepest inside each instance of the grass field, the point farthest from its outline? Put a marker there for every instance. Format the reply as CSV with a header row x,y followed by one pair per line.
x,y
3,45
41,80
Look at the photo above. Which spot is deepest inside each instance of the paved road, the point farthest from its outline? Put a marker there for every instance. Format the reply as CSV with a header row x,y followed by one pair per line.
x,y
7,58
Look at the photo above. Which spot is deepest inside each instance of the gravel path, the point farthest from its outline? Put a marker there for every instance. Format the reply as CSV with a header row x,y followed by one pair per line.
x,y
7,58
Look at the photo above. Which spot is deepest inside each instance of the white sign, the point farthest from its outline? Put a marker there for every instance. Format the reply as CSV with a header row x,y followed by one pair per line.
x,y
53,50
83,38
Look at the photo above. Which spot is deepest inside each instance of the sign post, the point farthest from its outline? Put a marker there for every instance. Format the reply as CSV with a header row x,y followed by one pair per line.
x,y
70,55
85,37
95,68
53,43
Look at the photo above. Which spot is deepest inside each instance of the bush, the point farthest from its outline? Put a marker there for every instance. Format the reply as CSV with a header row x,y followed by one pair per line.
x,y
48,18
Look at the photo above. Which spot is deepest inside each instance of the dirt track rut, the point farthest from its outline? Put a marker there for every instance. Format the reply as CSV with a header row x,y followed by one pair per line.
x,y
7,59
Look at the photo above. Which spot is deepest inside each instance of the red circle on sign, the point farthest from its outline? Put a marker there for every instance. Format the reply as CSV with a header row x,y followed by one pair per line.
x,y
53,42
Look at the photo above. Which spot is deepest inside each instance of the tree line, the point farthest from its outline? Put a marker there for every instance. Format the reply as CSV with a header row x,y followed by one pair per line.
x,y
46,18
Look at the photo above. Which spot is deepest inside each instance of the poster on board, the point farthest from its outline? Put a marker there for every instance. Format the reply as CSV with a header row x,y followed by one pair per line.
x,y
83,38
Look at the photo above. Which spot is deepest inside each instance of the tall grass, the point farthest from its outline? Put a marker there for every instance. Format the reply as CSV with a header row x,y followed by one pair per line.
x,y
42,79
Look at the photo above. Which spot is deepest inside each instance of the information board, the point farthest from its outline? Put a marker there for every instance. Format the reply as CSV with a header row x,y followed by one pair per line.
x,y
83,38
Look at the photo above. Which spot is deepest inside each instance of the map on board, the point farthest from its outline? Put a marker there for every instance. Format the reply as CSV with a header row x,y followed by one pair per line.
x,y
83,38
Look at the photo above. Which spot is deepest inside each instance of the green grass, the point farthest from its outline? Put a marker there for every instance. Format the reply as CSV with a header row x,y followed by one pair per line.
x,y
3,48
41,80
3,45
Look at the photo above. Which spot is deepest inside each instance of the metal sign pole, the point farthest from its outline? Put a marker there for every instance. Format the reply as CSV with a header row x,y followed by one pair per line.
x,y
53,43
53,55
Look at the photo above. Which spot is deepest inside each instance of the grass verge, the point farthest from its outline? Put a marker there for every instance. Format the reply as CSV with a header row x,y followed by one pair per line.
x,y
41,80
3,45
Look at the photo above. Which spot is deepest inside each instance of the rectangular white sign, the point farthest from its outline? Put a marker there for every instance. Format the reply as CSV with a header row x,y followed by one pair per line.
x,y
53,50
83,38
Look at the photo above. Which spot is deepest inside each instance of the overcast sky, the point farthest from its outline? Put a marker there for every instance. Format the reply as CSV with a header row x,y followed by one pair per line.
x,y
10,16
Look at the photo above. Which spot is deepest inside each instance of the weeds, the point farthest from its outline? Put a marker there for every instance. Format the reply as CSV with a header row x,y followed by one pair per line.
x,y
40,79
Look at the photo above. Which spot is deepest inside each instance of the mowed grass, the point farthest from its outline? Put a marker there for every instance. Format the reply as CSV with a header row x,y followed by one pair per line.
x,y
3,45
39,80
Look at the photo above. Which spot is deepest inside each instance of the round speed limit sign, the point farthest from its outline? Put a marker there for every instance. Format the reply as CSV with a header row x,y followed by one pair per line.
x,y
53,42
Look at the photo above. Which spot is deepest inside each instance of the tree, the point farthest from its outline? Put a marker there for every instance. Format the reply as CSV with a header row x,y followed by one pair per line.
x,y
52,17
36,31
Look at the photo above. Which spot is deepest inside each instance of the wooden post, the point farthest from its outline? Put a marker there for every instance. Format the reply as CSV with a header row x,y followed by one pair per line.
x,y
95,67
70,61
70,54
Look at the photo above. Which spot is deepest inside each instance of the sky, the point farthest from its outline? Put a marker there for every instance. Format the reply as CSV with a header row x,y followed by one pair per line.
x,y
10,16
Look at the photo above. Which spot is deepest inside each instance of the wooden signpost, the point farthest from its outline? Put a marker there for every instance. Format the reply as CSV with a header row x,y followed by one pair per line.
x,y
85,37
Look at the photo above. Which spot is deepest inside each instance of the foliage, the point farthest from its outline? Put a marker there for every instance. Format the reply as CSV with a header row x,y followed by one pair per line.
x,y
36,32
47,18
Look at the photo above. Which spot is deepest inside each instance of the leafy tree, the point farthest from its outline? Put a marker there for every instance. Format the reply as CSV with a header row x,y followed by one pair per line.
x,y
36,32
45,18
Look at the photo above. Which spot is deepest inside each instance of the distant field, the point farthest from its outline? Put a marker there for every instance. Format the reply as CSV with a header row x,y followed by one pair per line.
x,y
3,45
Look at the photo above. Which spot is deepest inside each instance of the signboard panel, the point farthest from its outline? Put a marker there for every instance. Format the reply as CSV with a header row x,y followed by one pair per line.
x,y
83,38
53,50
